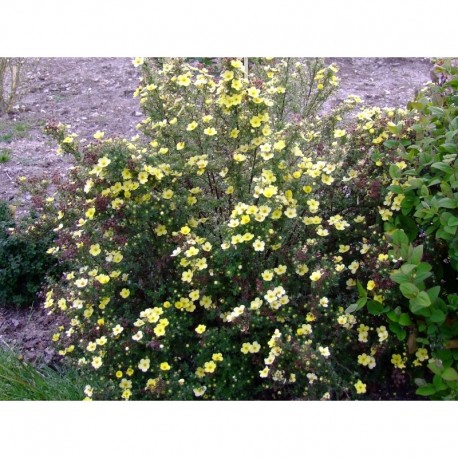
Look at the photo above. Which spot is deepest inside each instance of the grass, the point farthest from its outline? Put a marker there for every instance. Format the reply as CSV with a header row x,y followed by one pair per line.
x,y
10,131
5,155
20,381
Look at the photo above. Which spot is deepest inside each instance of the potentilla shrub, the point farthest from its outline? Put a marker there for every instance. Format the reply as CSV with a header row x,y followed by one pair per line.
x,y
216,252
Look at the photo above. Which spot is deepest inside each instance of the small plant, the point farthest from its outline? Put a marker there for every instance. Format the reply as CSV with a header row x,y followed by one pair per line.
x,y
5,155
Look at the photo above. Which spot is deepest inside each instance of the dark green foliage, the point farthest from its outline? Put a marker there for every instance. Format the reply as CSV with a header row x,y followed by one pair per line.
x,y
24,262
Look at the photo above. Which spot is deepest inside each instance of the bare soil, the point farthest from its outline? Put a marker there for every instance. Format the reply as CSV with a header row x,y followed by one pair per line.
x,y
93,94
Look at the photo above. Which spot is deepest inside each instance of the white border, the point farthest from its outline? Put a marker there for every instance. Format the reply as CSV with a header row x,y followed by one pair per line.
x,y
329,28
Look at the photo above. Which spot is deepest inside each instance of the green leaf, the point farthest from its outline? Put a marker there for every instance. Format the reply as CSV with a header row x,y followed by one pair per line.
x,y
399,277
399,237
433,293
395,171
391,143
437,316
446,202
404,319
436,111
400,333
360,303
407,268
393,316
442,167
420,302
417,254
452,221
434,368
450,375
409,290
426,390
374,307
361,290
447,148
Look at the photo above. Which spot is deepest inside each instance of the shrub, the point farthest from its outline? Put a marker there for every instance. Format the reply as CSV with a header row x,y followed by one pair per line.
x,y
229,250
421,220
24,262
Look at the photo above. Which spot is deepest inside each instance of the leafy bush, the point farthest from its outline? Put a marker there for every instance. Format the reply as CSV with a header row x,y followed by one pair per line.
x,y
235,248
420,210
24,262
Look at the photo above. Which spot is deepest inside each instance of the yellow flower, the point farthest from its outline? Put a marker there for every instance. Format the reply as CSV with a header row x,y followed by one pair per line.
x,y
422,354
138,61
207,118
104,162
117,257
315,276
95,249
125,293
259,245
180,145
125,384
164,366
360,387
267,275
81,282
255,121
201,329
254,347
90,213
117,330
339,133
264,373
96,362
245,348
192,126
398,361
199,391
234,133
209,367
183,80
102,278
270,191
217,357
239,157
370,285
253,92
187,276
167,194
280,270
144,364
210,131
227,75
237,64
99,135
278,146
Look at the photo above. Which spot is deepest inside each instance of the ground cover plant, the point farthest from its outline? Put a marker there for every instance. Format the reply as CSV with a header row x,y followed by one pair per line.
x,y
21,381
243,247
